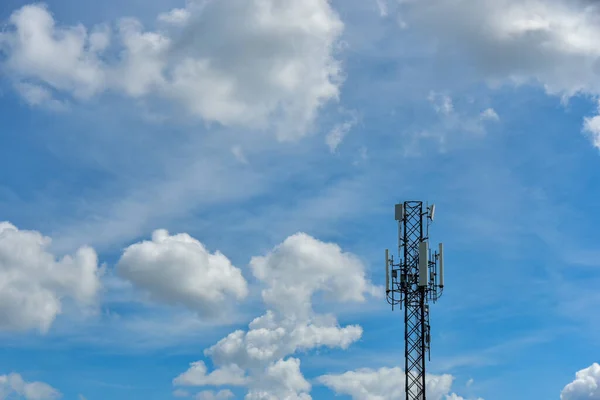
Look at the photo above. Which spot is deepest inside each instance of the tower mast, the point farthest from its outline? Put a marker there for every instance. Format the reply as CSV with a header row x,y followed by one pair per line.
x,y
416,279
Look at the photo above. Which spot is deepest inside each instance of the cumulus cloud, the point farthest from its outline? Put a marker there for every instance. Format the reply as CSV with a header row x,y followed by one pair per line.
x,y
585,386
302,265
178,269
33,283
273,336
13,386
180,393
284,381
591,126
293,272
384,384
196,376
260,64
62,57
454,396
211,395
552,43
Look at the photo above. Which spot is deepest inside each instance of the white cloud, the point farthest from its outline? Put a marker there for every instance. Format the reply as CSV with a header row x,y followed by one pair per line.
x,y
59,56
279,60
33,283
273,336
442,104
140,71
301,266
211,395
178,269
238,153
12,385
39,96
454,121
363,155
454,396
260,64
385,384
293,272
99,39
180,393
552,43
339,131
591,126
177,16
383,7
490,114
282,380
585,386
196,376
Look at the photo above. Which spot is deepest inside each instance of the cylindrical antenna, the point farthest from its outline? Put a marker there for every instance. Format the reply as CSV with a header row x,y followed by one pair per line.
x,y
423,264
387,270
441,259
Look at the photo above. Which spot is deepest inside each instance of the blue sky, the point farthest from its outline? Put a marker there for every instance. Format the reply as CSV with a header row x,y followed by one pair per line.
x,y
241,124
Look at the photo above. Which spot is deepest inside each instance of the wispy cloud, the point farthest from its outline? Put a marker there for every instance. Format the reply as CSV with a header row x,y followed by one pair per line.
x,y
335,137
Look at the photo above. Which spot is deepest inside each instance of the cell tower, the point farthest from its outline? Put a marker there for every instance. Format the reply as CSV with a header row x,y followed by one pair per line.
x,y
416,279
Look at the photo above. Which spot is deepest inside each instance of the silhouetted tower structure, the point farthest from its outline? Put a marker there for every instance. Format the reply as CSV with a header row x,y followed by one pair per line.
x,y
414,281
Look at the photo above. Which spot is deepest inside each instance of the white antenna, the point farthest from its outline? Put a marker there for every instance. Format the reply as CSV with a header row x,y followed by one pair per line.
x,y
399,212
387,270
441,259
423,264
431,211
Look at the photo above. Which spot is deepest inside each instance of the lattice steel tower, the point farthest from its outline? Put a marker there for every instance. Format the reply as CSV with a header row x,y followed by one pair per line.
x,y
416,279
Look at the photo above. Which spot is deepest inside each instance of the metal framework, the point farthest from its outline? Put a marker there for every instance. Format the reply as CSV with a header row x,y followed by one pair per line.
x,y
416,279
